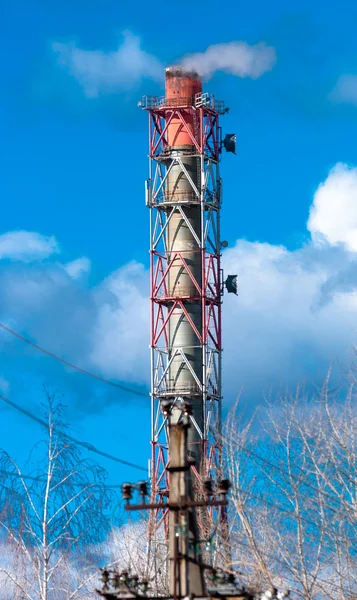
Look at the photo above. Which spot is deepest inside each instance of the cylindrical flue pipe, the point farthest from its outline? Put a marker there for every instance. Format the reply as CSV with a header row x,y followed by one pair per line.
x,y
184,247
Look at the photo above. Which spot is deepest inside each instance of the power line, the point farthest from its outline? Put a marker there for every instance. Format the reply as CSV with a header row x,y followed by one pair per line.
x,y
239,542
92,448
335,510
72,365
86,445
293,514
68,483
294,478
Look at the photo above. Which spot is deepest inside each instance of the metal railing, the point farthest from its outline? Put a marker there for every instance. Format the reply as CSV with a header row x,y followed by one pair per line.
x,y
200,99
178,389
187,196
184,197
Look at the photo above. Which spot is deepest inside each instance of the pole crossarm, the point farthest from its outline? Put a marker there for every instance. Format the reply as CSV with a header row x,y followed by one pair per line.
x,y
176,505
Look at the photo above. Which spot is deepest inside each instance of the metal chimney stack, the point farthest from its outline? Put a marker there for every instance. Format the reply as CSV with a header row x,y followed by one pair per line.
x,y
183,193
184,255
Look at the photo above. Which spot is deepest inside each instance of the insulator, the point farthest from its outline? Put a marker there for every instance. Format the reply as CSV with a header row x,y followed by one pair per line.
x,y
166,407
144,585
115,580
187,409
223,487
134,581
127,489
270,594
105,576
212,574
143,488
221,577
208,487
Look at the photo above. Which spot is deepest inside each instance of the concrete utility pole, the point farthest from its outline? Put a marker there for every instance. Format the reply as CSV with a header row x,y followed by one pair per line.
x,y
186,572
185,556
186,566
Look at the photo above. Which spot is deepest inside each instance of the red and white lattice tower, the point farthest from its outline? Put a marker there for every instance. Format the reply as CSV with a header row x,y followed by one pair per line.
x,y
183,193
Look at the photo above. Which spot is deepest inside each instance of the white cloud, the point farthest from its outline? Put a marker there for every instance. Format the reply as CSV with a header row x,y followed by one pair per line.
x,y
273,333
235,58
26,246
120,335
109,72
104,328
296,310
78,267
345,90
333,213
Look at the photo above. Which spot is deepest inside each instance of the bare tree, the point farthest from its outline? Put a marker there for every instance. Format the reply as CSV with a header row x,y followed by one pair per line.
x,y
294,497
126,548
52,517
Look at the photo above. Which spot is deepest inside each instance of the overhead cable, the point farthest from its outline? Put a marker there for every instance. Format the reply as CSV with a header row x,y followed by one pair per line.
x,y
38,479
86,445
72,365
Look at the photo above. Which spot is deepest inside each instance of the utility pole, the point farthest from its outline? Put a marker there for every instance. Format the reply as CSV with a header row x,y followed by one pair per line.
x,y
185,555
187,569
186,573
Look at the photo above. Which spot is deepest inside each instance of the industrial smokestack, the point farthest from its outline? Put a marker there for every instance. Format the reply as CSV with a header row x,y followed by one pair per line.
x,y
184,253
183,193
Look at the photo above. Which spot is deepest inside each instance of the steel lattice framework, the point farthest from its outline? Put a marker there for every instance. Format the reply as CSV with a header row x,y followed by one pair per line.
x,y
184,194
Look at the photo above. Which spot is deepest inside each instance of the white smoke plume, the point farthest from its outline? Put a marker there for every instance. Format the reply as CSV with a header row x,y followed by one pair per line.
x,y
123,69
236,58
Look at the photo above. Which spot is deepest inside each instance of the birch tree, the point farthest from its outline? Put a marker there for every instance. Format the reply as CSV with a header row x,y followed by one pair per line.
x,y
294,496
52,516
127,549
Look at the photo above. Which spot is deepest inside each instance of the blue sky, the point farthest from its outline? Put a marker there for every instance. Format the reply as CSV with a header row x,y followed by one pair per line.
x,y
73,170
